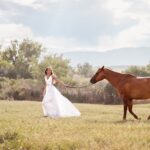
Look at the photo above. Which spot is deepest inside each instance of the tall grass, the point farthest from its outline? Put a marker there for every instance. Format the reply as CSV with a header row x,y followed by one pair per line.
x,y
100,127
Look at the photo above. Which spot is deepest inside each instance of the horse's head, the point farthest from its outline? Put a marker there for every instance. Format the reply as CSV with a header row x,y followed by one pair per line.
x,y
99,75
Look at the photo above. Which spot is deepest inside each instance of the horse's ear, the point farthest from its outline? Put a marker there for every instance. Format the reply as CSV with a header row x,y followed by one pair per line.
x,y
102,68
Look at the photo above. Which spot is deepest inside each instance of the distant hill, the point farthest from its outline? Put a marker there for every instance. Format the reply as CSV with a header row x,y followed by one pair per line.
x,y
117,57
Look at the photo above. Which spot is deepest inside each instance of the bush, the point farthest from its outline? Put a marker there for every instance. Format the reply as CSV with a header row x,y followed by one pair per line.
x,y
28,89
138,71
102,93
20,89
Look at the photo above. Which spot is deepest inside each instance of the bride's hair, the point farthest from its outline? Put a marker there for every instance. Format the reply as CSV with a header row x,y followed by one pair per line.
x,y
47,69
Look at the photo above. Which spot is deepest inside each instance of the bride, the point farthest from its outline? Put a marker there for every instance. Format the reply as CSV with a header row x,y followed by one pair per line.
x,y
54,104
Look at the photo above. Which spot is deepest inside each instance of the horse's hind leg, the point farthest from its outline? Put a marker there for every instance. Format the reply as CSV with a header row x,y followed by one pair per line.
x,y
125,112
130,105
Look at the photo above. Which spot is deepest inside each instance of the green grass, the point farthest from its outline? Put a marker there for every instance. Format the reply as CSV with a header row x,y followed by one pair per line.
x,y
100,127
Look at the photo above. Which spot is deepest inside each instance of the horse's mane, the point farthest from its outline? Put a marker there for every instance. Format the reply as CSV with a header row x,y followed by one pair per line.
x,y
127,75
130,75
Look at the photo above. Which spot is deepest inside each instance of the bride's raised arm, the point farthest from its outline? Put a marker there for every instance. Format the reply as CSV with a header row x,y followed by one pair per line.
x,y
55,80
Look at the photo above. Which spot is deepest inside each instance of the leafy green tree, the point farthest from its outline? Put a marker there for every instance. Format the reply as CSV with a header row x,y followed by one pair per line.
x,y
148,68
138,71
23,56
6,69
86,70
59,65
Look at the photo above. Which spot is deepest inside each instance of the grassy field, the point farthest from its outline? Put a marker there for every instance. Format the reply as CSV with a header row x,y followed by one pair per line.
x,y
100,127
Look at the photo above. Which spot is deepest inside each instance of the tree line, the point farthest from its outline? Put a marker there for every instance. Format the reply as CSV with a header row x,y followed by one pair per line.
x,y
22,66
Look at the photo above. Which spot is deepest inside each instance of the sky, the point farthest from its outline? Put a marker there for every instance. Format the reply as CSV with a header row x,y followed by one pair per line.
x,y
76,25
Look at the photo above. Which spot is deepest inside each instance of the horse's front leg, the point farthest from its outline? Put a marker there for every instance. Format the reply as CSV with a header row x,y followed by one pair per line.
x,y
130,105
125,106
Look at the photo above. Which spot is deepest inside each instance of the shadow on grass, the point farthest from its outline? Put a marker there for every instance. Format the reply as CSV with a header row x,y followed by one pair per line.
x,y
8,136
115,122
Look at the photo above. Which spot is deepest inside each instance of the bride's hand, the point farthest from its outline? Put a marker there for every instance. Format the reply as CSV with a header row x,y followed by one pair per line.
x,y
43,92
54,82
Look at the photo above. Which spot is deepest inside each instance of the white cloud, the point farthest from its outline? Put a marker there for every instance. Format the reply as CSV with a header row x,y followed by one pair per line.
x,y
58,44
24,2
66,25
118,8
35,4
9,32
131,37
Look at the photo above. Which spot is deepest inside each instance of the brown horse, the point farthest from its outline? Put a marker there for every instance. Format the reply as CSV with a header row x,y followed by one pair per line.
x,y
128,87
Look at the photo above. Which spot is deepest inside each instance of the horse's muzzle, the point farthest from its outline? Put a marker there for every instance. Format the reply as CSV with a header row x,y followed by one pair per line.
x,y
92,81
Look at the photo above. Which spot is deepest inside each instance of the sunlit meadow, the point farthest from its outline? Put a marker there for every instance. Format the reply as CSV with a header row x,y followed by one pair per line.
x,y
22,127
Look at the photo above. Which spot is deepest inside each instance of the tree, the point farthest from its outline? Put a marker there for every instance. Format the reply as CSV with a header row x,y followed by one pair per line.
x,y
23,56
148,68
86,69
59,65
10,53
6,69
138,71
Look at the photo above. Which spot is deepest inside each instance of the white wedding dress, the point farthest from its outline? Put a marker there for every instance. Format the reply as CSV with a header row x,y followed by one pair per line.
x,y
54,104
